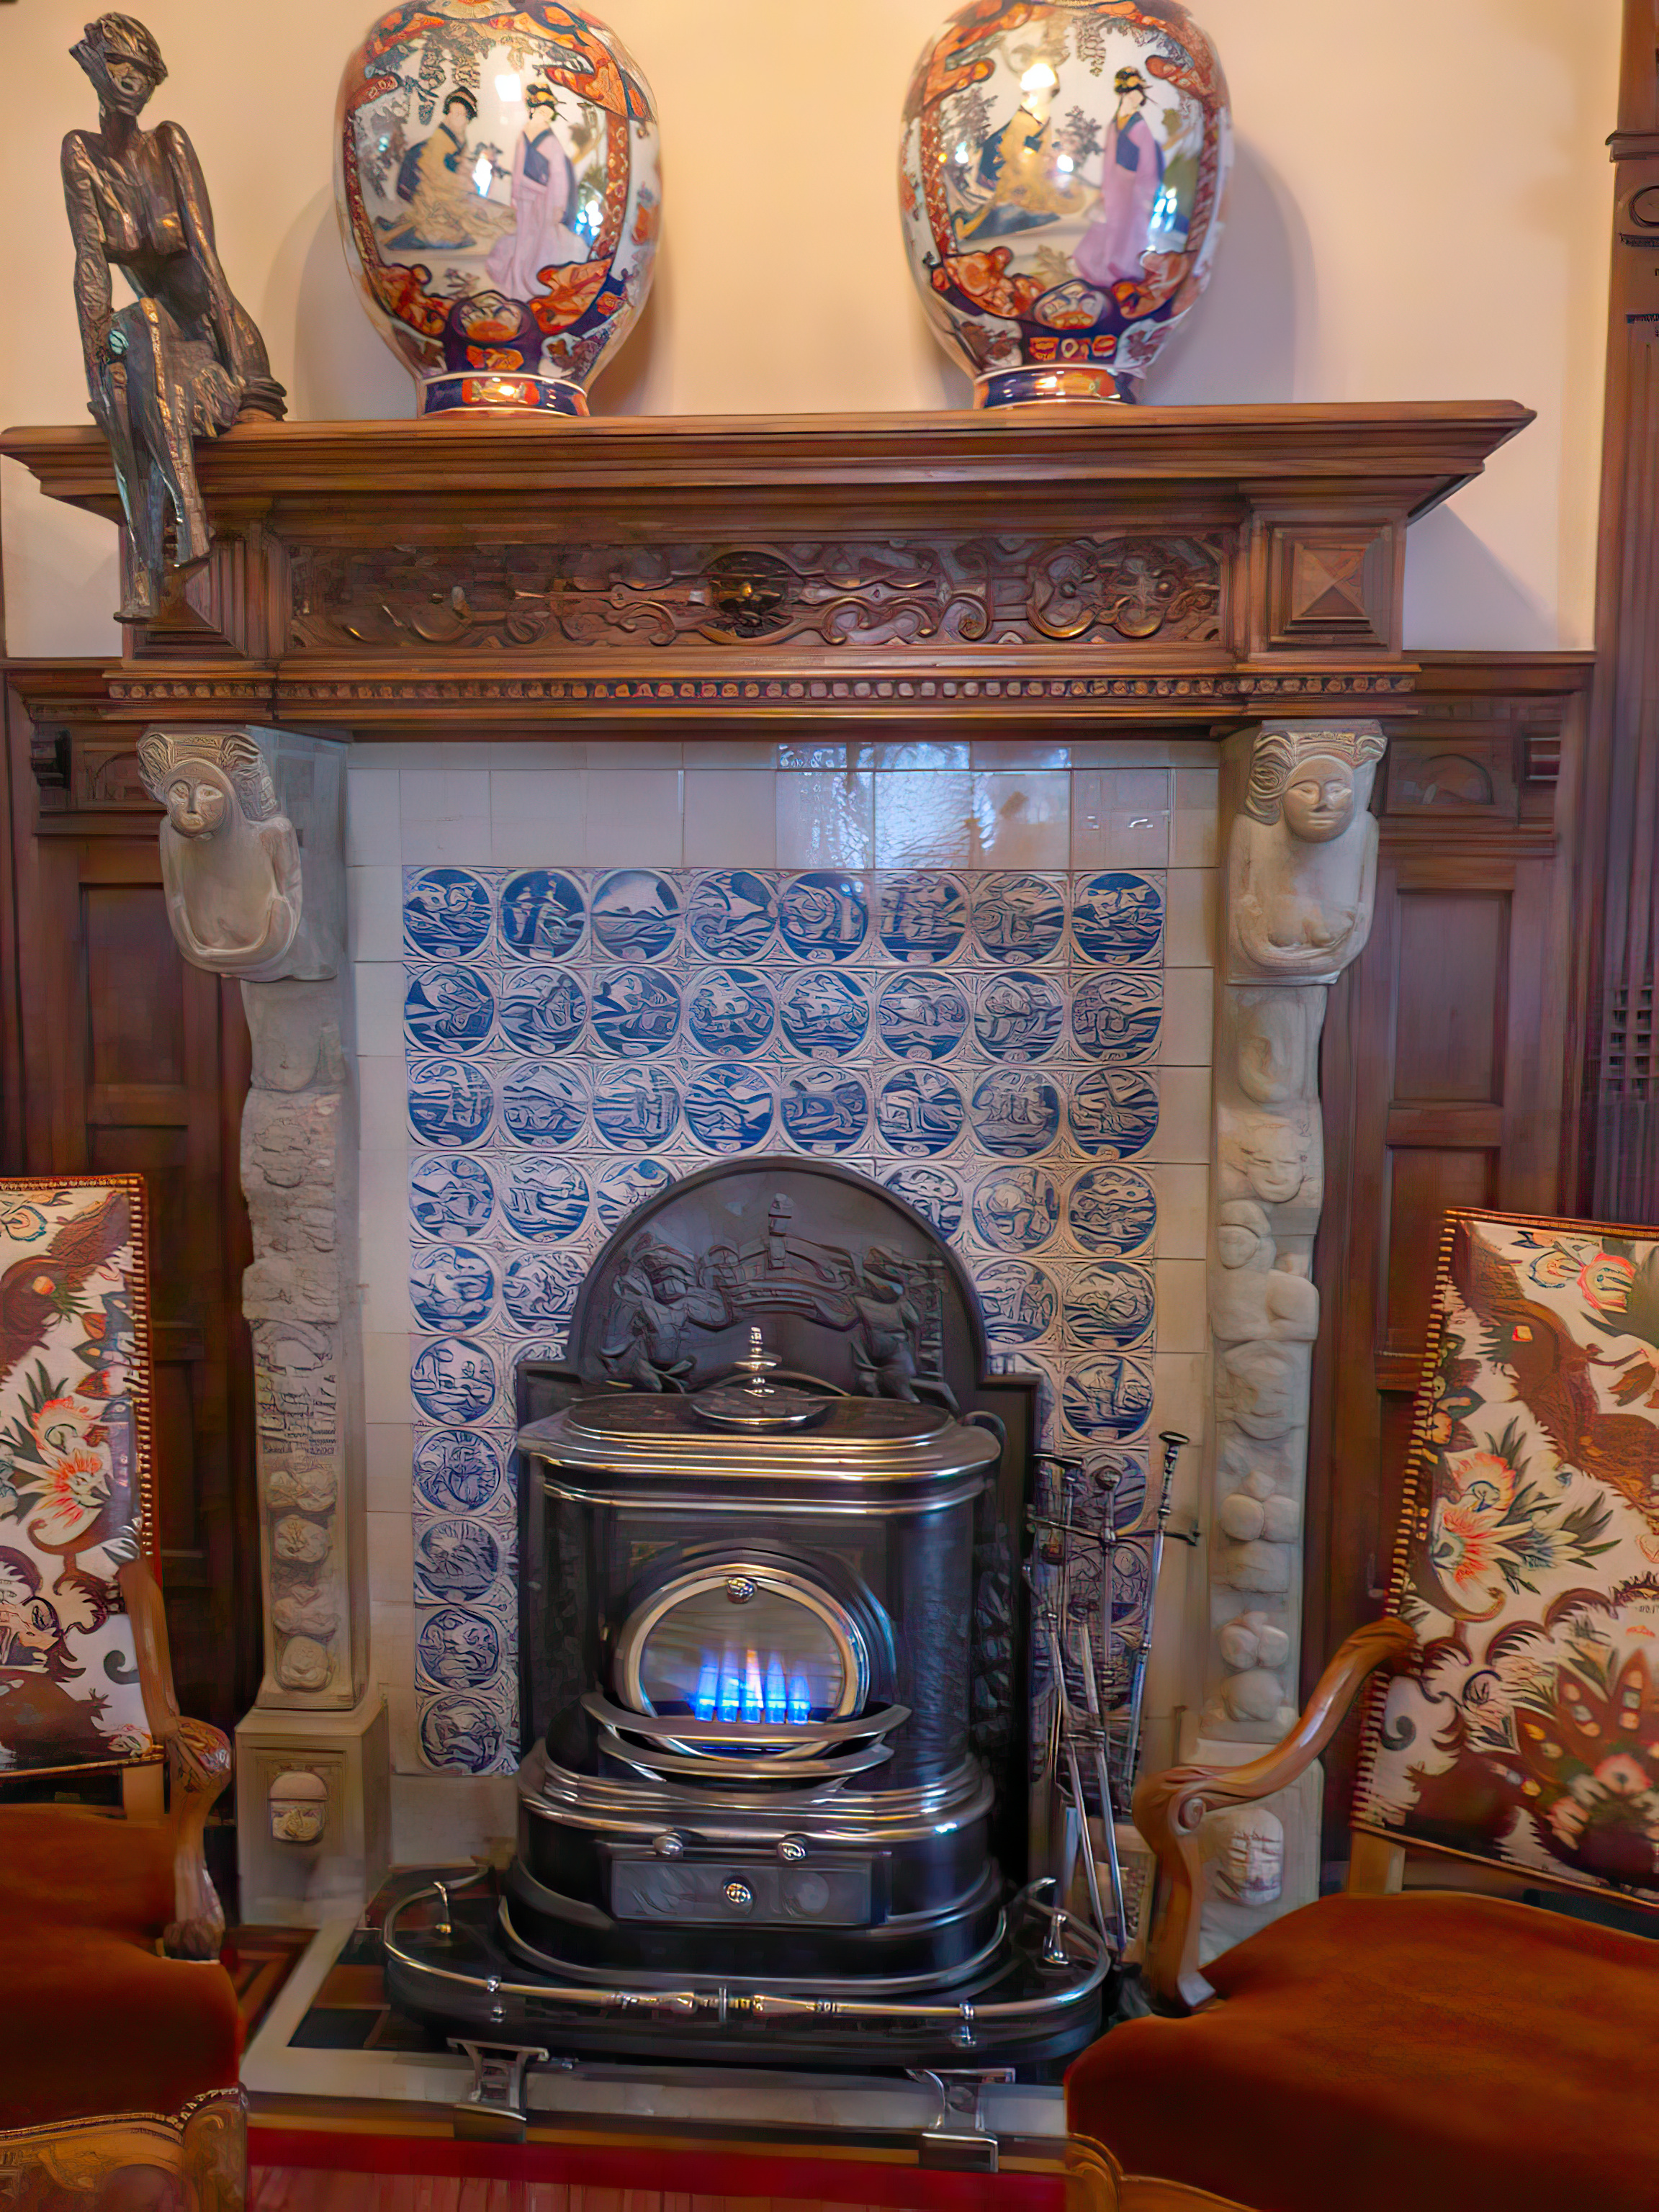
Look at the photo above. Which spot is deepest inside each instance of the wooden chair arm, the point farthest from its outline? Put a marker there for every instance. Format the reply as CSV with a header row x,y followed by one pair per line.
x,y
199,1767
1169,1806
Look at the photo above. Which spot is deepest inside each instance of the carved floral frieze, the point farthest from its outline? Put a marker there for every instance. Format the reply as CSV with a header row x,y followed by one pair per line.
x,y
884,592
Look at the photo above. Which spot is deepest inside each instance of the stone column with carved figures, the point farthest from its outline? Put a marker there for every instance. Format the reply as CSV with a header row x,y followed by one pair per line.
x,y
252,863
1300,873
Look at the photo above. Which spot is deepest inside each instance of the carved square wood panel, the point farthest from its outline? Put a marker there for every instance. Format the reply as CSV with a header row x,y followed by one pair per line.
x,y
1330,587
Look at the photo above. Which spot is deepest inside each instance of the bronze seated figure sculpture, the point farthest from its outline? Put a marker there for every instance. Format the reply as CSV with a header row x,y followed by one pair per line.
x,y
184,358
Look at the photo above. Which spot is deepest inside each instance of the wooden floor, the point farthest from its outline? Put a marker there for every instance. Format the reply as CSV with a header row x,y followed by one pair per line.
x,y
297,2188
362,2173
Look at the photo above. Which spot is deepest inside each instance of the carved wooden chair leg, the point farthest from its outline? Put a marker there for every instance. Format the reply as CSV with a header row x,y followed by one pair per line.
x,y
199,1767
199,1759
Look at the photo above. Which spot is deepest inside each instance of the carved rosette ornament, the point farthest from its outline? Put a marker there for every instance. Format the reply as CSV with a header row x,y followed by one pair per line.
x,y
1301,877
241,807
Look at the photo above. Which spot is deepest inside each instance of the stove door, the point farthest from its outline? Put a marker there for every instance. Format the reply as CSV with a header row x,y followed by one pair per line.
x,y
747,1639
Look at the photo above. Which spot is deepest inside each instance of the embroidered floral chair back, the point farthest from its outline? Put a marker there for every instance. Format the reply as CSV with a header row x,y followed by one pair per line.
x,y
1526,1730
1419,2045
77,1500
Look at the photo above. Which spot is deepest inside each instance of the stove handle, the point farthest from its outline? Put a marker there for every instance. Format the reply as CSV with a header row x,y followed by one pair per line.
x,y
992,1423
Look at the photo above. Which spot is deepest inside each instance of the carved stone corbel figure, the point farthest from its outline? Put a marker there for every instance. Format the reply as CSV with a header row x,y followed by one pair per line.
x,y
184,360
230,860
1302,856
1300,880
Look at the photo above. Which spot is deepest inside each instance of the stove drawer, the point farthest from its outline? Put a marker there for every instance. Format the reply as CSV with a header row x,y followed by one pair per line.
x,y
741,1890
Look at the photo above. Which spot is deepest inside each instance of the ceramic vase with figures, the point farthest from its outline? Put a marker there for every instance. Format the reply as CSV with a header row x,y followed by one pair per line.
x,y
1063,173
496,178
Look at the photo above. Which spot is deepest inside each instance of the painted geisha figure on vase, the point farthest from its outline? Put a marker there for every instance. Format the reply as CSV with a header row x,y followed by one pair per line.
x,y
1026,174
445,182
546,203
1132,176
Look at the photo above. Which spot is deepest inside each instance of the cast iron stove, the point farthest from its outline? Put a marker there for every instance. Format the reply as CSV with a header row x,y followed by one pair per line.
x,y
776,1654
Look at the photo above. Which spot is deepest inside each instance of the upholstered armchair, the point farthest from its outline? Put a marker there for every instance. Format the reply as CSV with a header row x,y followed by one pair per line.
x,y
120,2035
1398,2049
119,2030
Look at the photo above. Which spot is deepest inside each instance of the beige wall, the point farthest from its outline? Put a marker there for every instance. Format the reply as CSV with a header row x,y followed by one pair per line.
x,y
1421,211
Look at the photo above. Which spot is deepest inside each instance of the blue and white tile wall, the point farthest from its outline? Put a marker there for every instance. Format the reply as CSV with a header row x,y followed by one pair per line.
x,y
981,974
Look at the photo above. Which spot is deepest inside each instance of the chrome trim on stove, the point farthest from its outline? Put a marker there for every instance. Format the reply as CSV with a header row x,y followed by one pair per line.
x,y
729,1575
704,1506
613,1807
698,1767
890,1986
725,2002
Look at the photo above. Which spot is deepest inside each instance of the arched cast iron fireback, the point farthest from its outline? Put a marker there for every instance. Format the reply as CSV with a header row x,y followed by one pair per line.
x,y
846,1281
848,1284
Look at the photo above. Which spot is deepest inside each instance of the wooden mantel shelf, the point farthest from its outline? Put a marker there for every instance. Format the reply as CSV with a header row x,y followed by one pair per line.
x,y
498,575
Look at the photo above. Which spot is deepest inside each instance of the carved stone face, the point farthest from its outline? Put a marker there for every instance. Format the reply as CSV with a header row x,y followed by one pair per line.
x,y
199,801
1252,1867
1319,800
1273,1155
1257,1386
299,1807
1272,1048
1239,1243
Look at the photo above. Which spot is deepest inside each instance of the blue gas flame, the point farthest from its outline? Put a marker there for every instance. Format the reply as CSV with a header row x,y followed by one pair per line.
x,y
733,1689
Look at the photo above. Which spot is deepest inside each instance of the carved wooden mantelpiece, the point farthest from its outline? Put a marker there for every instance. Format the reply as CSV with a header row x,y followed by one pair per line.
x,y
1176,567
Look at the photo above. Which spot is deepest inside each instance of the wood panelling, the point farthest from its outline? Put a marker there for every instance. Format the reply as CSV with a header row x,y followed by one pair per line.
x,y
1421,1183
1621,820
1449,1079
1447,1029
131,1061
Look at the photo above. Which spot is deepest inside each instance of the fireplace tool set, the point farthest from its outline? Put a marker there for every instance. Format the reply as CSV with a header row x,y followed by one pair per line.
x,y
1101,1746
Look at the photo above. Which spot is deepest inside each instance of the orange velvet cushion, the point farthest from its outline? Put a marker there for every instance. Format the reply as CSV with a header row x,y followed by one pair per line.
x,y
92,2021
65,1864
1435,2052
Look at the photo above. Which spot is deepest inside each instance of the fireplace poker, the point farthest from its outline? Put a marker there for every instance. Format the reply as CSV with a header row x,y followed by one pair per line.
x,y
1109,1482
1068,1746
1104,1780
1173,1444
1053,1551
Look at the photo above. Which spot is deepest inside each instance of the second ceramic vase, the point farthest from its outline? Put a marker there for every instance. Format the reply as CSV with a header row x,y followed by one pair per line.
x,y
497,187
1062,177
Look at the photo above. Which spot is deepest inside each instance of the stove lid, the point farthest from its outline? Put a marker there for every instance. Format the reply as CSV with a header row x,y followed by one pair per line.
x,y
844,1441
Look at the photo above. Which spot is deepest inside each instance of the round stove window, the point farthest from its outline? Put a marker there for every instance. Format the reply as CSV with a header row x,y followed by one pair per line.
x,y
744,1642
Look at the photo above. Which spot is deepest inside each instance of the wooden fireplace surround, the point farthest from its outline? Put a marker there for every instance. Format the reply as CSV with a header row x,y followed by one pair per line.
x,y
1042,570
1069,576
